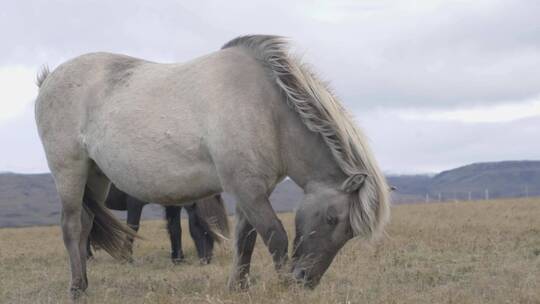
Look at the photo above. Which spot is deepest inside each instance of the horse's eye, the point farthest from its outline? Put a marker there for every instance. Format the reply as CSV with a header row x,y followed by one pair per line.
x,y
331,216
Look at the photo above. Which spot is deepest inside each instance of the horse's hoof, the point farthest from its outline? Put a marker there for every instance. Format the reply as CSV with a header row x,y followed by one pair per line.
x,y
205,261
75,293
178,261
84,285
238,285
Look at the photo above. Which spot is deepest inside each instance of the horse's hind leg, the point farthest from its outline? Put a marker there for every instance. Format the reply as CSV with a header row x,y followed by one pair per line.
x,y
172,213
87,219
89,253
97,187
200,233
134,211
70,179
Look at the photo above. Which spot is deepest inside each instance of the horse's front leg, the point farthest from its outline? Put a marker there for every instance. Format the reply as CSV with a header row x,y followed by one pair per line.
x,y
258,212
244,242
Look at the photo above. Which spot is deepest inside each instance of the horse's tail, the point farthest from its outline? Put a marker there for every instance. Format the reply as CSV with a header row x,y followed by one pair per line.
x,y
212,211
42,75
108,232
322,113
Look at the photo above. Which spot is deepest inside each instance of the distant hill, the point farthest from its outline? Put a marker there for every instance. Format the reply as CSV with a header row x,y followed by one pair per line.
x,y
410,188
494,179
31,199
500,179
28,199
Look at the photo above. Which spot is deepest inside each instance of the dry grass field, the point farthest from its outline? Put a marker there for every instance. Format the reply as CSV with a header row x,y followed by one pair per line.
x,y
470,252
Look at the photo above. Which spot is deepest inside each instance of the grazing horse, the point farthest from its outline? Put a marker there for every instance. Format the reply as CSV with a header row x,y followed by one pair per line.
x,y
238,120
207,215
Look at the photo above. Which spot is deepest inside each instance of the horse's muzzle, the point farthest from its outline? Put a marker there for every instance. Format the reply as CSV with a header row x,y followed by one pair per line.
x,y
301,277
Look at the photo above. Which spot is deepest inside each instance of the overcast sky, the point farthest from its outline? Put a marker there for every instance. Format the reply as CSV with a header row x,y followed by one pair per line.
x,y
434,84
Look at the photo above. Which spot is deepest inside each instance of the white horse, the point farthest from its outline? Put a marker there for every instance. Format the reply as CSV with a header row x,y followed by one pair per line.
x,y
238,120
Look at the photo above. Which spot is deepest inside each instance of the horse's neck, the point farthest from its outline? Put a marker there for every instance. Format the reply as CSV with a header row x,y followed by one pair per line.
x,y
308,158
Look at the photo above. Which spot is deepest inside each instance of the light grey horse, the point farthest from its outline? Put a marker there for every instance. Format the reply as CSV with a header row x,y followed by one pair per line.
x,y
238,120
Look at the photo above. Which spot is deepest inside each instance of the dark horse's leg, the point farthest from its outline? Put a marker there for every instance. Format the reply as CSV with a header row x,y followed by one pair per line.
x,y
200,232
134,210
172,213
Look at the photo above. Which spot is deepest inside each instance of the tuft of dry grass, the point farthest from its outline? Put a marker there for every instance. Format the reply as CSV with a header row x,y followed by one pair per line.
x,y
469,252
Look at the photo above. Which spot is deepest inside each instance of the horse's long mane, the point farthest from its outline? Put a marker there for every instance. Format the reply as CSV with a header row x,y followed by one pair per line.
x,y
322,113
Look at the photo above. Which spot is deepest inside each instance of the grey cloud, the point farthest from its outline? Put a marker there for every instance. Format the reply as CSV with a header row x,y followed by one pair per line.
x,y
21,146
378,55
404,146
457,55
38,31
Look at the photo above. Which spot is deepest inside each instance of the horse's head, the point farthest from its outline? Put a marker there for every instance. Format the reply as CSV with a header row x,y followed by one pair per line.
x,y
322,228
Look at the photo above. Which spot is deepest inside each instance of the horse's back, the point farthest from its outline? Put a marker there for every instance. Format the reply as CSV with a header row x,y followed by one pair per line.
x,y
171,126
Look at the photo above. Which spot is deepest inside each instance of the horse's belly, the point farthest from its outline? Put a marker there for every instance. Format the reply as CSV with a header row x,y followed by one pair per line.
x,y
165,172
190,184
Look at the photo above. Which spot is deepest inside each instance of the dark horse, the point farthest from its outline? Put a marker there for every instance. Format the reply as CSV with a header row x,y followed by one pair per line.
x,y
207,222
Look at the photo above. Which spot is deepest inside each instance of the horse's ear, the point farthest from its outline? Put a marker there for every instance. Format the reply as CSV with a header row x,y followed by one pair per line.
x,y
354,182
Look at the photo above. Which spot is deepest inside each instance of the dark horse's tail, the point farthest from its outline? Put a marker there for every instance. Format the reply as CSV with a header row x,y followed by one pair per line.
x,y
212,211
108,232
